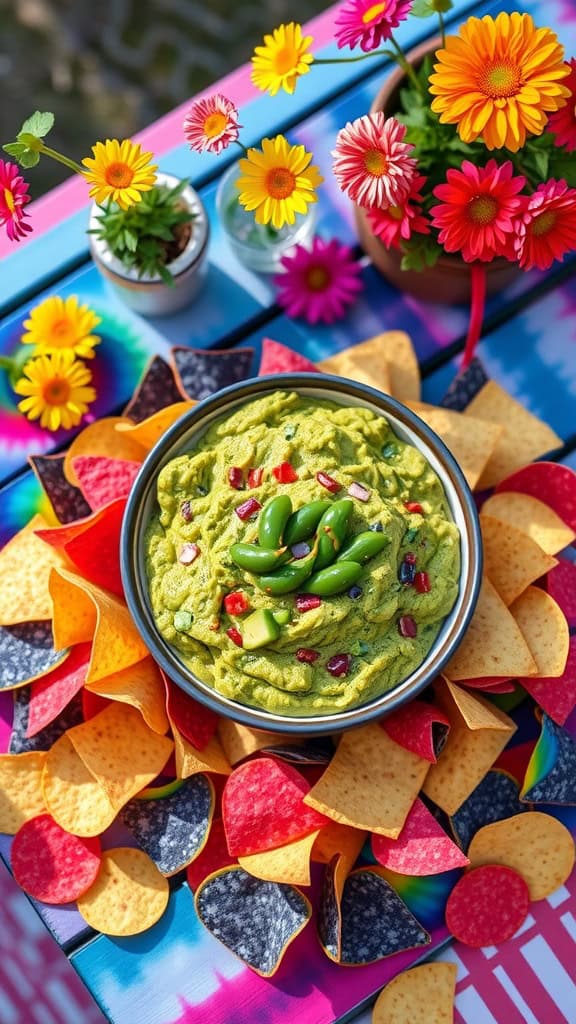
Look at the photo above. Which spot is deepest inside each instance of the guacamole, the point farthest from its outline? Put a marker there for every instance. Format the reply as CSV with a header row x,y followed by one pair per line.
x,y
324,654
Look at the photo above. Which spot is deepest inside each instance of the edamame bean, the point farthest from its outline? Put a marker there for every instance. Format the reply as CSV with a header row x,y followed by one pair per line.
x,y
362,547
257,560
304,521
334,579
272,521
289,577
332,530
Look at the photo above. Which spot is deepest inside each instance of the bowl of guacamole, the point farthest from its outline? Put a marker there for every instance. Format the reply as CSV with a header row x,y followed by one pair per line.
x,y
301,553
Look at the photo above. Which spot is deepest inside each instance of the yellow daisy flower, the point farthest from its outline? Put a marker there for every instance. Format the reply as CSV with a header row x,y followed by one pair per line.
x,y
283,58
58,324
499,79
119,171
56,390
277,182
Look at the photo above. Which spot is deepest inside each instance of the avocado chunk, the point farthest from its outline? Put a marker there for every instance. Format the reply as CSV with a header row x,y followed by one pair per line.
x,y
259,629
282,616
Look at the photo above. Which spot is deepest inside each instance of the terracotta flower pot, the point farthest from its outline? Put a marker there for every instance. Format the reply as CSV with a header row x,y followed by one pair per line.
x,y
449,280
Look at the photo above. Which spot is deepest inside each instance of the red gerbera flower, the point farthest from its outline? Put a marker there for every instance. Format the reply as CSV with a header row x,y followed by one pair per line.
x,y
211,124
476,215
13,199
563,122
372,163
369,23
546,226
393,223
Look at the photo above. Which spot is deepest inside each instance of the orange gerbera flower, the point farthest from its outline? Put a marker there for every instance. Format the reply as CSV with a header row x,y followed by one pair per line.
x,y
499,79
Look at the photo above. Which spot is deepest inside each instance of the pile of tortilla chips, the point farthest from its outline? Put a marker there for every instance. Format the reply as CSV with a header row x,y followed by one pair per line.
x,y
101,737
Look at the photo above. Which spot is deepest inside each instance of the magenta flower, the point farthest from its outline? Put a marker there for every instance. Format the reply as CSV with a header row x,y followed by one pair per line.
x,y
13,199
211,124
372,163
318,284
563,122
365,23
393,224
546,226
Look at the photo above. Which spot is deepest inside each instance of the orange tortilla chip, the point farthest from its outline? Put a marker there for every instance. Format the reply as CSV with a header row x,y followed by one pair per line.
x,y
493,645
239,741
102,438
128,896
370,783
338,839
524,437
536,845
470,440
74,798
545,629
289,864
190,761
395,350
140,685
25,566
147,432
512,560
422,995
479,731
20,789
532,517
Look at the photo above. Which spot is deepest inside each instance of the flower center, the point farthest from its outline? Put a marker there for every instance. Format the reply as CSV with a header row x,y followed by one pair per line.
x,y
544,223
500,78
374,12
280,182
119,175
395,212
60,330
317,279
375,162
56,391
9,200
284,60
482,210
215,124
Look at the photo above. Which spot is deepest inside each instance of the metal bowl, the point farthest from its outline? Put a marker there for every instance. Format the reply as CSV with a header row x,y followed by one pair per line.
x,y
183,436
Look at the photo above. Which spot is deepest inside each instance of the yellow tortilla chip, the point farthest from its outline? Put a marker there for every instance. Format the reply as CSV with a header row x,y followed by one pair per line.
x,y
338,839
545,629
535,845
150,430
422,995
140,685
532,517
120,751
102,438
512,560
524,438
479,731
239,741
470,440
25,566
83,611
20,789
74,798
395,350
493,645
289,864
370,783
190,761
365,363
128,896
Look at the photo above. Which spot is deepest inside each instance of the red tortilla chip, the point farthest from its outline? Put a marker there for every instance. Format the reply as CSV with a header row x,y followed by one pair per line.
x,y
277,358
418,727
422,848
515,760
103,479
66,500
211,858
551,482
196,722
102,438
263,807
95,550
51,694
92,704
561,585
556,695
492,684
52,865
487,906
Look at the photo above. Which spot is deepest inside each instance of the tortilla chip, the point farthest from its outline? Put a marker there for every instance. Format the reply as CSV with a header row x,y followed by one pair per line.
x,y
342,840
561,585
524,439
465,386
368,897
535,845
147,432
25,566
278,358
329,914
470,440
50,695
545,629
371,782
496,797
211,858
532,517
422,848
366,363
422,995
396,350
68,502
557,695
551,482
478,734
20,743
190,761
196,722
512,560
419,727
173,830
199,373
239,741
157,389
551,772
93,545
101,438
52,865
140,685
128,896
487,906
289,863
27,653
20,789
493,645
103,480
73,797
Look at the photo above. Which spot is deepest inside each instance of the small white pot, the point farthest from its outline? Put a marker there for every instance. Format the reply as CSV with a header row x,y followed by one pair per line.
x,y
148,294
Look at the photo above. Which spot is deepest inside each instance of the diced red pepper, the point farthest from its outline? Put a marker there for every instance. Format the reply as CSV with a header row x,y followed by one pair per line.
x,y
339,665
236,478
235,636
255,477
328,482
305,602
236,603
407,627
413,506
410,557
422,582
247,508
306,655
285,473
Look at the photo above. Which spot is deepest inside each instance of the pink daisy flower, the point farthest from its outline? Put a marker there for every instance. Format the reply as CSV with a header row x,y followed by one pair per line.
x,y
318,284
369,23
211,124
562,122
13,199
392,224
546,226
372,164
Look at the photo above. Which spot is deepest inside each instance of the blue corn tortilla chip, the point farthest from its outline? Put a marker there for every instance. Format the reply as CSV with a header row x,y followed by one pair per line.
x,y
551,773
174,829
43,740
157,389
309,754
68,502
375,921
27,653
495,798
200,373
329,922
465,386
256,920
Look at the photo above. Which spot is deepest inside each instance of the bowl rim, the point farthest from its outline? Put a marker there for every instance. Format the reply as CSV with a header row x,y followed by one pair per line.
x,y
135,589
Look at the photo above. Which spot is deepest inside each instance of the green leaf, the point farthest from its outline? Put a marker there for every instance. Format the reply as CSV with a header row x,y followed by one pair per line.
x,y
563,166
29,158
420,252
130,240
15,149
425,8
541,162
39,124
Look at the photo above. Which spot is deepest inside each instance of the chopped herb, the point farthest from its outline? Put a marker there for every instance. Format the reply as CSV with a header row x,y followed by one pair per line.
x,y
359,647
411,535
389,451
290,430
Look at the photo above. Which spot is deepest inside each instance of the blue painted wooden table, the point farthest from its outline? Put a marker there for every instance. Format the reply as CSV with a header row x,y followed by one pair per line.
x,y
175,972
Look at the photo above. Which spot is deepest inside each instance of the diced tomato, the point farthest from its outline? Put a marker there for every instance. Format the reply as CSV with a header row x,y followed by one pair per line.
x,y
422,582
255,477
247,509
306,602
328,482
285,473
413,506
236,603
235,636
236,478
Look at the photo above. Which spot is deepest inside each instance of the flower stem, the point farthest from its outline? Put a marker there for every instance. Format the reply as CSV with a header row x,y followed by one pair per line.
x,y
478,281
351,60
53,153
242,146
406,66
442,28
6,363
